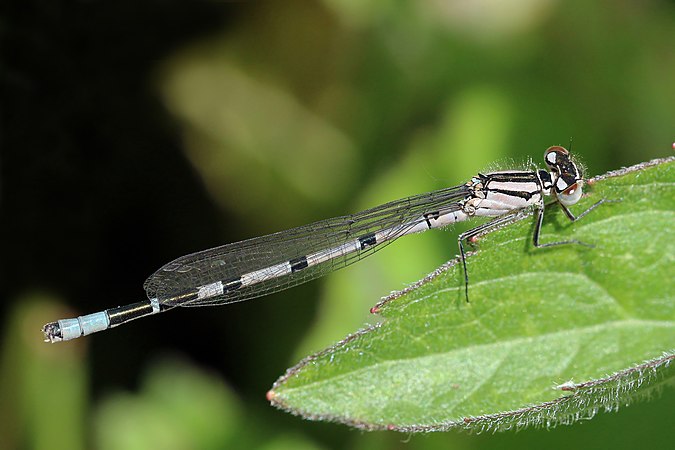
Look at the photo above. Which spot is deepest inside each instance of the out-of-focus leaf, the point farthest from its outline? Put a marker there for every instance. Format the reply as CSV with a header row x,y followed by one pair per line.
x,y
249,138
42,389
179,407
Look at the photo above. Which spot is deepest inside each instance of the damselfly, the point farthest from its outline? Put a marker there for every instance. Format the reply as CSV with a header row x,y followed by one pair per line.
x,y
263,265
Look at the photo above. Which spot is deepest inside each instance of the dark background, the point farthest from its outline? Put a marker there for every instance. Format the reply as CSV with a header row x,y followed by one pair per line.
x,y
135,132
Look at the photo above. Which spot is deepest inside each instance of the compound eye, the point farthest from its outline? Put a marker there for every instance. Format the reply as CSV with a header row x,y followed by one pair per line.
x,y
556,155
571,195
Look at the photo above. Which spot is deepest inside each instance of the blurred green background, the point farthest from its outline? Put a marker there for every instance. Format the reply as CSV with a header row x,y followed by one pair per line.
x,y
136,132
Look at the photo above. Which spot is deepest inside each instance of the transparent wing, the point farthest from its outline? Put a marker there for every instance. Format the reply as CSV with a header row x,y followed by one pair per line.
x,y
184,275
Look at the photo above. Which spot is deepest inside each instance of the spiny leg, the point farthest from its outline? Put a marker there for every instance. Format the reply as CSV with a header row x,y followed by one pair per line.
x,y
497,222
574,218
570,216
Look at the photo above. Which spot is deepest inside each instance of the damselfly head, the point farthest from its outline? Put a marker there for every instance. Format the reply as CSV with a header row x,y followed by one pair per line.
x,y
567,175
558,159
561,162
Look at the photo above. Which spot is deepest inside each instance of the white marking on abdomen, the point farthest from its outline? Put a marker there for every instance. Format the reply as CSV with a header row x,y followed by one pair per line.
x,y
335,252
210,290
267,273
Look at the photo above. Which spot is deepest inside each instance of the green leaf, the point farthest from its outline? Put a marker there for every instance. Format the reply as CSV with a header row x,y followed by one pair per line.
x,y
178,407
550,336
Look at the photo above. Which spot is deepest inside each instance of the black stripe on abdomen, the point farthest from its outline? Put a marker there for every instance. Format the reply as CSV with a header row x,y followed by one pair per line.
x,y
367,241
298,264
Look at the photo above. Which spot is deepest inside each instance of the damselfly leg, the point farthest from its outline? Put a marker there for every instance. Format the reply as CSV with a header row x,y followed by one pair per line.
x,y
470,235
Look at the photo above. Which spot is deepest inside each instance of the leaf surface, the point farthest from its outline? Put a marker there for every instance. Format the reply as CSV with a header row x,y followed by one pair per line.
x,y
550,336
